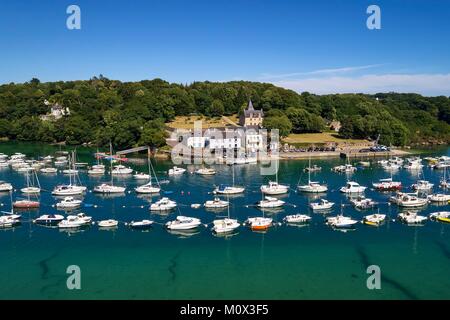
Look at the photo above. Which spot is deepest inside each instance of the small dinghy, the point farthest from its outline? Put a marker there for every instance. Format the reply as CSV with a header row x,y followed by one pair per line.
x,y
216,203
439,198
110,223
322,205
270,202
412,218
141,225
175,171
374,219
297,218
443,216
141,176
259,223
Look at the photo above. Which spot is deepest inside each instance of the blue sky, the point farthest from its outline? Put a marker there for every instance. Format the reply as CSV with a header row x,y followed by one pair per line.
x,y
318,46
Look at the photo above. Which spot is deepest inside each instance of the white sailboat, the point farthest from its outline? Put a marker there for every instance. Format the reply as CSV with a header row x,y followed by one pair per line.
x,y
148,188
72,188
226,189
312,186
31,188
226,225
109,188
274,188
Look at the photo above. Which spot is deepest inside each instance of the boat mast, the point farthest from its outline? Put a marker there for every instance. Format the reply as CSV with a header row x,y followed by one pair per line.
x,y
309,171
110,162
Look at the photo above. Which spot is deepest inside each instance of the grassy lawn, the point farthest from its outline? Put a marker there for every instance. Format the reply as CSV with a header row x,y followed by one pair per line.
x,y
319,138
187,122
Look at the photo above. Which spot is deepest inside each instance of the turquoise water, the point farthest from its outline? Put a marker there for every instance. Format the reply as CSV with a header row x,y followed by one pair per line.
x,y
310,262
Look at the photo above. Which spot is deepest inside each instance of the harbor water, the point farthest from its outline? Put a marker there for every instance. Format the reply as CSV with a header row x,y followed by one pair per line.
x,y
312,261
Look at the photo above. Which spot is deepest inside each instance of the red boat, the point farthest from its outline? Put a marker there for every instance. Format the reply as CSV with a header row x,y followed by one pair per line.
x,y
26,204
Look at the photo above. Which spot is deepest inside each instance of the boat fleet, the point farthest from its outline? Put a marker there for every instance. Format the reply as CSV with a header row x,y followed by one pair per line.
x,y
269,191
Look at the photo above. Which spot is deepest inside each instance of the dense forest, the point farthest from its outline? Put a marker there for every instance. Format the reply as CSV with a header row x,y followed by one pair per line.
x,y
134,113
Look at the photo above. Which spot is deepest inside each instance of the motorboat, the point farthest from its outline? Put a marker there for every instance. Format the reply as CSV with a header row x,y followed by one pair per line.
x,y
391,166
96,172
411,217
110,223
270,202
141,176
274,188
8,222
108,188
196,206
259,223
442,216
341,221
439,197
216,203
68,190
422,185
297,218
362,202
374,219
70,171
313,187
75,221
226,189
142,225
164,204
387,185
5,186
147,188
314,168
69,203
49,219
121,169
226,225
205,171
413,165
347,168
48,170
408,200
352,187
322,205
175,171
183,223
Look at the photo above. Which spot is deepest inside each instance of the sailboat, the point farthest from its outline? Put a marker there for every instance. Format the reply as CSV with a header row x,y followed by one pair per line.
x,y
148,187
31,188
97,169
312,186
109,188
274,187
422,185
445,183
226,225
72,188
226,189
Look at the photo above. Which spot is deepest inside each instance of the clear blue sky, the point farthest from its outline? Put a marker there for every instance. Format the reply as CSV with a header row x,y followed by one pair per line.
x,y
319,46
